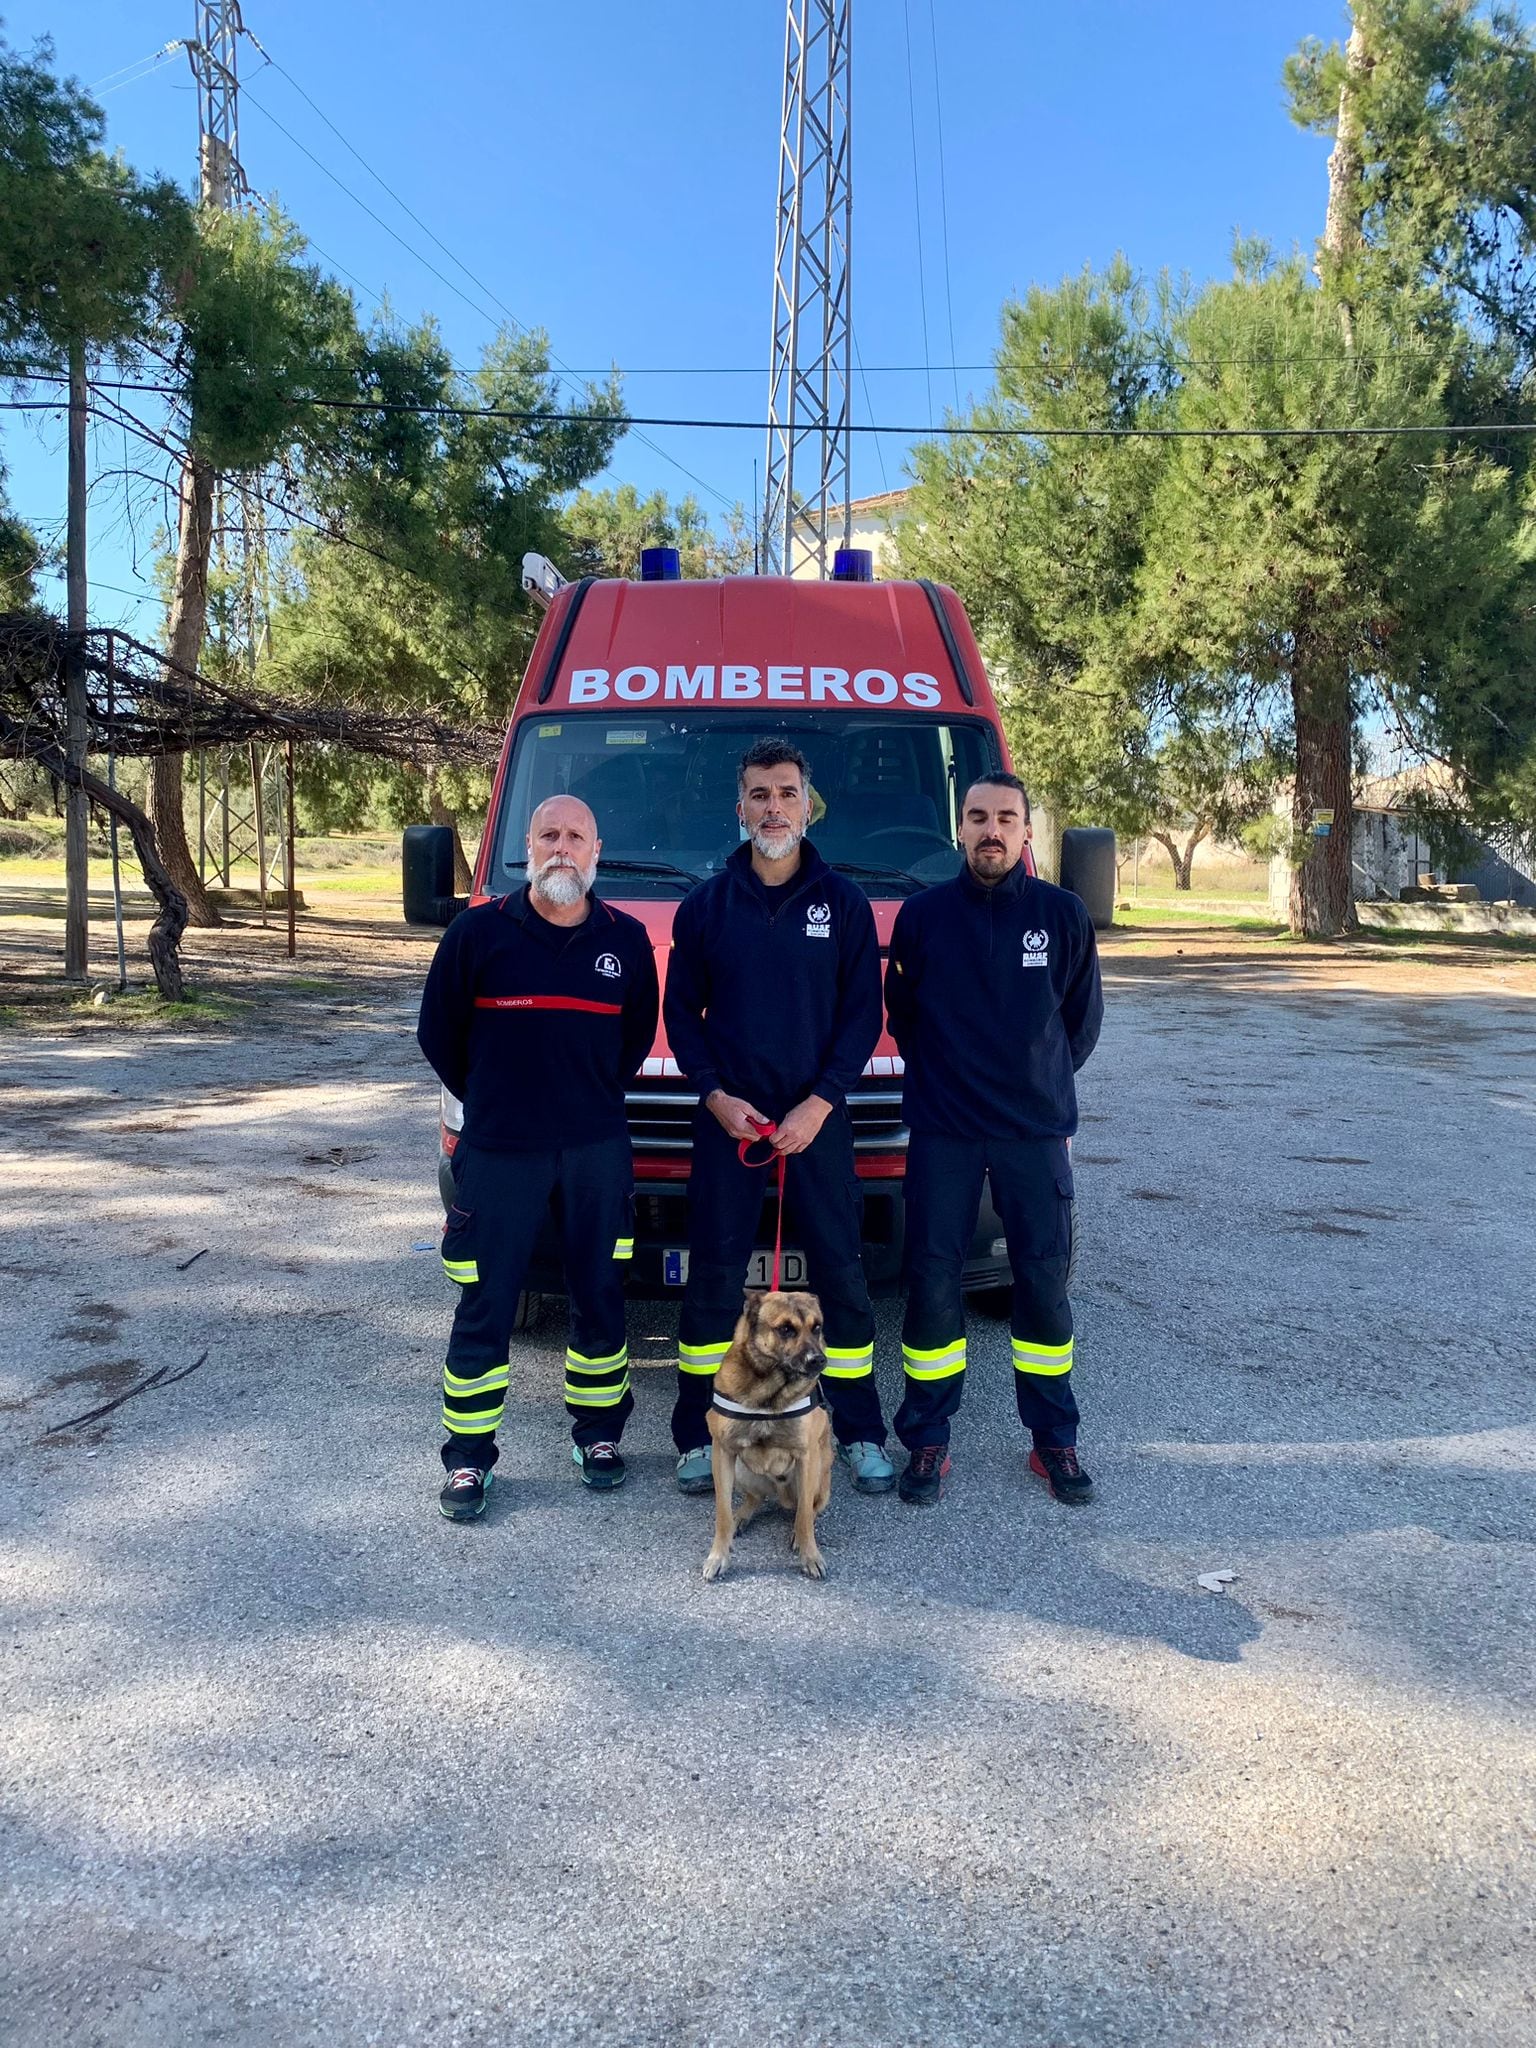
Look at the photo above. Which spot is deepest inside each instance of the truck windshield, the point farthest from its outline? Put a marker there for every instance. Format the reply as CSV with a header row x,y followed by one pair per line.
x,y
885,793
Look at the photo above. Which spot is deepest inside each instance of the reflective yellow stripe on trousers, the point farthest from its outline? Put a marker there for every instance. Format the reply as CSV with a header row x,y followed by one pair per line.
x,y
941,1363
701,1358
473,1419
596,1382
1046,1360
855,1362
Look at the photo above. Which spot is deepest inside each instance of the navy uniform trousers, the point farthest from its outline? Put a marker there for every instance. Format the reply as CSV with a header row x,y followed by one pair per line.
x,y
824,1211
1032,1193
500,1202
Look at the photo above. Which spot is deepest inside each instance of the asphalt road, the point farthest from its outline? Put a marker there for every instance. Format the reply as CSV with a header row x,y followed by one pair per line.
x,y
286,1758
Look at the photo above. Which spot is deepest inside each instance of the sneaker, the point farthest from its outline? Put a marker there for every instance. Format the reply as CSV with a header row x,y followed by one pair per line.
x,y
1062,1474
696,1471
601,1466
463,1494
927,1470
872,1470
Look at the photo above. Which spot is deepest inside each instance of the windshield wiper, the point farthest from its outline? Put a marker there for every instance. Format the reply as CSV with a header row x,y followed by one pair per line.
x,y
661,868
877,871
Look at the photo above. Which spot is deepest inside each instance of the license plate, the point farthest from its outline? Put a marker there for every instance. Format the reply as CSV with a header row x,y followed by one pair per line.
x,y
674,1269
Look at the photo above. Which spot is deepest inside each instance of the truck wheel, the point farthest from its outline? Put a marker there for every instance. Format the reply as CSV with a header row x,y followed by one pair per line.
x,y
995,1303
526,1314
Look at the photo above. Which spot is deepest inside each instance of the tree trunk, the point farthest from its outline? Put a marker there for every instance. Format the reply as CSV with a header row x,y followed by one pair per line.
x,y
165,933
1322,882
1183,861
184,648
439,813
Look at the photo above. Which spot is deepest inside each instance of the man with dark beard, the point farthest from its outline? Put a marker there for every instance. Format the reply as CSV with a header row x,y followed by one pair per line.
x,y
537,1013
772,1011
993,996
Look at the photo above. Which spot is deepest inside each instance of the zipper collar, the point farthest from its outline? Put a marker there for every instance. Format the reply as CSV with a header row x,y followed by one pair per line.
x,y
519,907
1010,889
739,867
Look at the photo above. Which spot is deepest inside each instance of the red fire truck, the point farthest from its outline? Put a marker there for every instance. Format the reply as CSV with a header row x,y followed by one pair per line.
x,y
640,698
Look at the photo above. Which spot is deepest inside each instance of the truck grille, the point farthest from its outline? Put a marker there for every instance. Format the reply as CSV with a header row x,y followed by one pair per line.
x,y
660,1112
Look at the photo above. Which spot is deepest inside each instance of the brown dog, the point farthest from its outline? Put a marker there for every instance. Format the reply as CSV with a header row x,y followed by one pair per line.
x,y
768,1425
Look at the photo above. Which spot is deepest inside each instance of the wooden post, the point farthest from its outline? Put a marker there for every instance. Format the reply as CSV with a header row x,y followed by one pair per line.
x,y
117,873
259,809
77,805
292,933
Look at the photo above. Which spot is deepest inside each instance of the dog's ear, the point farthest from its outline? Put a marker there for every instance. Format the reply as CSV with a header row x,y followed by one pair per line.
x,y
751,1310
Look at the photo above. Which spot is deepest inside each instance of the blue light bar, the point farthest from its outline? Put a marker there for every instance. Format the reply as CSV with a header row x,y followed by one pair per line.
x,y
853,565
660,565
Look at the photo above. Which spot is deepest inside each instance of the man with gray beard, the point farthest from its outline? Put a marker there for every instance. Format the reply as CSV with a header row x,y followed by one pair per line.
x,y
537,1013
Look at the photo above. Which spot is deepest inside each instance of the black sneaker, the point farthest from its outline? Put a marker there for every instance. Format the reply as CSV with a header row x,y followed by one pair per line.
x,y
463,1494
601,1466
927,1470
1063,1475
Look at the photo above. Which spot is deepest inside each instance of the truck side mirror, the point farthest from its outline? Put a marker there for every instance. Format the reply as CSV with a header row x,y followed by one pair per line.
x,y
426,875
1087,869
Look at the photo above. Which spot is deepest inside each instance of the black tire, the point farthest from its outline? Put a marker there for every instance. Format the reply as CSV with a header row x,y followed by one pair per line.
x,y
526,1313
995,1303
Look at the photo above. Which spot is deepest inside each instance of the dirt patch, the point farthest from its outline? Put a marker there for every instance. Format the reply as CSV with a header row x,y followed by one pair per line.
x,y
93,1322
338,1155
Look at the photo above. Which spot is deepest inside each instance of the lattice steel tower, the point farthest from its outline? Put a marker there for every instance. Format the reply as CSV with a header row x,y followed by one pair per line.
x,y
213,54
809,383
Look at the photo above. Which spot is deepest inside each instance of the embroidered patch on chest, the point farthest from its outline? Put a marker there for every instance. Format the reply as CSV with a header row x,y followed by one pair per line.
x,y
818,921
607,964
1037,949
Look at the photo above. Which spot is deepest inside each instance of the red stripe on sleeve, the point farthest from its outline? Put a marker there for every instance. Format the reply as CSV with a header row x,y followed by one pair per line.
x,y
549,1003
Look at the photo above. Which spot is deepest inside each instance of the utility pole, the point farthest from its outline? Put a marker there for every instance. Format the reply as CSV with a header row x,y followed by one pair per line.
x,y
77,805
809,380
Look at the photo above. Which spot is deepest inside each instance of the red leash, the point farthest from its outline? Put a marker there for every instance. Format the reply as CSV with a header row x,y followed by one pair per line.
x,y
765,1130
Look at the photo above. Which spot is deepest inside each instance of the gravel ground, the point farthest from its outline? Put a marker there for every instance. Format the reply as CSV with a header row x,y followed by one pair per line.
x,y
286,1757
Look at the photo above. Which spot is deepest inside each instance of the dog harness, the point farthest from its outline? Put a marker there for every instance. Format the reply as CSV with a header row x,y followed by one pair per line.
x,y
742,1412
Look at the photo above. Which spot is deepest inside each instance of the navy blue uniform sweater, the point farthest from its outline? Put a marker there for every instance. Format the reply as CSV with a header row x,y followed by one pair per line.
x,y
774,995
994,999
538,1028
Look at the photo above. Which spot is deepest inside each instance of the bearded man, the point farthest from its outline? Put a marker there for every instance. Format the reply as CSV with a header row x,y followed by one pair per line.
x,y
537,1013
772,1011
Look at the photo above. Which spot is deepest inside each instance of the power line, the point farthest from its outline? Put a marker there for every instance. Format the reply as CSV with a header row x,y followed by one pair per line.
x,y
938,101
536,415
917,202
489,318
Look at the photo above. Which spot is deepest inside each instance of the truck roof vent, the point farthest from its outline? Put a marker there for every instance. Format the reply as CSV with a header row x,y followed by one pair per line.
x,y
660,565
853,565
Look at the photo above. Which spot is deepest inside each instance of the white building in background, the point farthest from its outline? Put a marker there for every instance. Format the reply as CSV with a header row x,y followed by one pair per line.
x,y
872,520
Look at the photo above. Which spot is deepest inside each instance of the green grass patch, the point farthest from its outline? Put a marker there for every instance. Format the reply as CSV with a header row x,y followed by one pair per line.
x,y
147,1008
1142,916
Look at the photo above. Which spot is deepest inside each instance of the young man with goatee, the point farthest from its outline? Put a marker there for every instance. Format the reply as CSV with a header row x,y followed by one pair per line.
x,y
772,1011
537,1013
994,1000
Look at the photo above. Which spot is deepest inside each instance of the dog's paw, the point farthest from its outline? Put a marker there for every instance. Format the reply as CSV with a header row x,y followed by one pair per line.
x,y
813,1564
715,1564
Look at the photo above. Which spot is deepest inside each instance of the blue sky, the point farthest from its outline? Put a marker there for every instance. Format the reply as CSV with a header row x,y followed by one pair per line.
x,y
608,170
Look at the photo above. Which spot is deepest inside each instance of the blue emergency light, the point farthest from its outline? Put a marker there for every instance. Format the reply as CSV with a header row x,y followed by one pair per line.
x,y
853,565
661,565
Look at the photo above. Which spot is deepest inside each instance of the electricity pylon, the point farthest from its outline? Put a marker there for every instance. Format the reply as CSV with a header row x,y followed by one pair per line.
x,y
809,382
